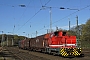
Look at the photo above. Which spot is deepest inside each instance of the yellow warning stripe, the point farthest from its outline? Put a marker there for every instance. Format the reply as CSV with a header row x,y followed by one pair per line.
x,y
74,52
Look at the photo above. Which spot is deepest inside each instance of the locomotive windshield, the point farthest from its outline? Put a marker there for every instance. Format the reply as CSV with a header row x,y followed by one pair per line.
x,y
64,33
56,33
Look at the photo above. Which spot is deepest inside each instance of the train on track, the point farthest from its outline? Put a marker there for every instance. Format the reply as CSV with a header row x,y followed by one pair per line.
x,y
58,42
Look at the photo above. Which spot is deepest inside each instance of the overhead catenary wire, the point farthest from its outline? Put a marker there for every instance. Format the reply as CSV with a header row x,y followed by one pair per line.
x,y
29,19
65,17
57,20
47,2
25,10
32,16
72,13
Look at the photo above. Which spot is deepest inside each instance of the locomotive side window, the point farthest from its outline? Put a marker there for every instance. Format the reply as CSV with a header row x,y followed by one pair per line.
x,y
64,33
56,33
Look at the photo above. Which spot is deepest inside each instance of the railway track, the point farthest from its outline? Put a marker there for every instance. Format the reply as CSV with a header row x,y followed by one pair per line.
x,y
6,55
23,54
19,54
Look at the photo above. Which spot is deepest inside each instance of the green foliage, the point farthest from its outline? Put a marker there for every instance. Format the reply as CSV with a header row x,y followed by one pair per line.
x,y
71,32
21,37
0,36
86,31
15,38
85,36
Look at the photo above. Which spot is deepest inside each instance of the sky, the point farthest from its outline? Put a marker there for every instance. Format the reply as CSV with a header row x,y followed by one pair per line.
x,y
36,15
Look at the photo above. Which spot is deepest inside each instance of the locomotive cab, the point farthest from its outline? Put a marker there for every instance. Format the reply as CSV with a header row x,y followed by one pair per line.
x,y
60,33
61,42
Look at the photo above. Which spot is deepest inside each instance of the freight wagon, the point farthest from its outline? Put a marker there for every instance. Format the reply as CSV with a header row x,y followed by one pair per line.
x,y
22,44
26,43
37,43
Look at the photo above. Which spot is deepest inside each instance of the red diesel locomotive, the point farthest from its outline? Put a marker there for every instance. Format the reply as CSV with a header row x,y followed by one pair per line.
x,y
58,42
